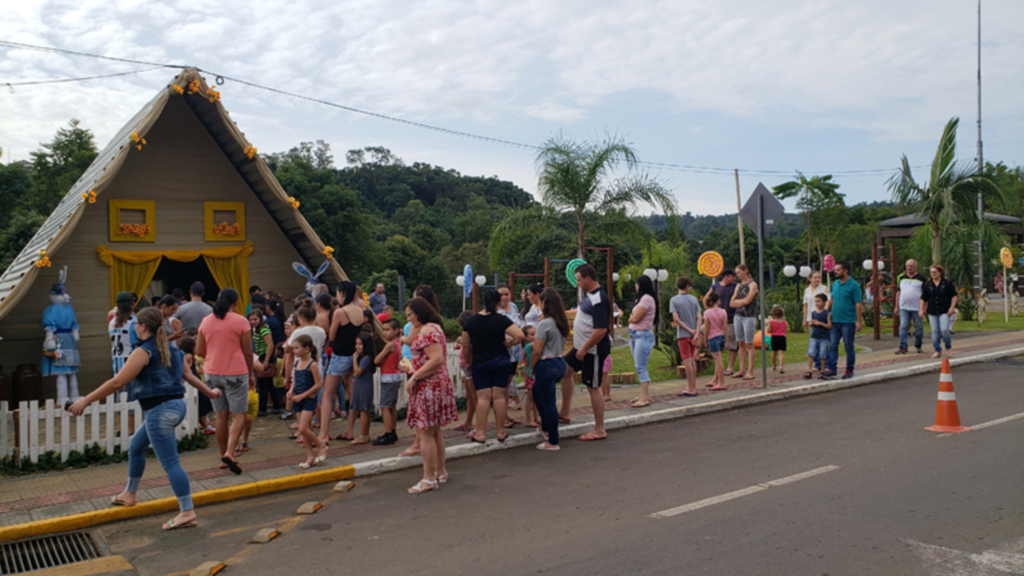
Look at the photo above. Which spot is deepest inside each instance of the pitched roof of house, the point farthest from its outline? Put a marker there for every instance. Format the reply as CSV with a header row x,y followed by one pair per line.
x,y
19,276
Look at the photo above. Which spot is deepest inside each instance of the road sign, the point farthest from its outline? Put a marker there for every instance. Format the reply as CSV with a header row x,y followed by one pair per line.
x,y
773,209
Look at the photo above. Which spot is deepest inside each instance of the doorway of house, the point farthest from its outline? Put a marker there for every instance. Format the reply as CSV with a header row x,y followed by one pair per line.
x,y
172,274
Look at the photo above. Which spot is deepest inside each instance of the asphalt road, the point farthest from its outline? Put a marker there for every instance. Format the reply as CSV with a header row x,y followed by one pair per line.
x,y
902,500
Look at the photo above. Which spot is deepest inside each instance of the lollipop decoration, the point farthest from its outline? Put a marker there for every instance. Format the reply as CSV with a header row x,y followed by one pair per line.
x,y
710,264
467,282
570,270
1006,257
829,264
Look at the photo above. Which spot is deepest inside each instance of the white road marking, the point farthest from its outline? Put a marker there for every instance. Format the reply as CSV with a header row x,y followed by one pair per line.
x,y
995,422
740,493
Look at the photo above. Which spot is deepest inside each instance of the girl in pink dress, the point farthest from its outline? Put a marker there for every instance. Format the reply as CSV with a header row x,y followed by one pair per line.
x,y
431,395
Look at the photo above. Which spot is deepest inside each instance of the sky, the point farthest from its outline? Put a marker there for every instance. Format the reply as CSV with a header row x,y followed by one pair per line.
x,y
764,86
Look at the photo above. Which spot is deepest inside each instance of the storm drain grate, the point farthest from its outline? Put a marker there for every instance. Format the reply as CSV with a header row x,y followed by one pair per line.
x,y
47,552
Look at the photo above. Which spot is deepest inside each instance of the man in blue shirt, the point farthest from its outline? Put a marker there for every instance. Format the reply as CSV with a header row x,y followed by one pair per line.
x,y
847,314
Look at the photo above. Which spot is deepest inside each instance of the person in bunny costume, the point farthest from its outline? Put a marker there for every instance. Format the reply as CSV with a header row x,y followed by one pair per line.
x,y
61,344
311,279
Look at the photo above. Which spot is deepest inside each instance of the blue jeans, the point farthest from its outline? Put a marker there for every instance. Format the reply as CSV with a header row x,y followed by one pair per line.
x,y
547,374
492,373
641,342
940,331
906,318
158,431
817,350
846,331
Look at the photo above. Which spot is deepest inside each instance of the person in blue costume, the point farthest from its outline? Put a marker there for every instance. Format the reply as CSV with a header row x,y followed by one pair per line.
x,y
60,349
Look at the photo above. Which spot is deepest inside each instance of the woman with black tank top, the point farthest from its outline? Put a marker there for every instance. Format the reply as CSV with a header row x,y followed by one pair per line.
x,y
346,324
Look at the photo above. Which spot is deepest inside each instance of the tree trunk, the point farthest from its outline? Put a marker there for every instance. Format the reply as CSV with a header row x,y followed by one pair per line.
x,y
579,240
936,243
808,211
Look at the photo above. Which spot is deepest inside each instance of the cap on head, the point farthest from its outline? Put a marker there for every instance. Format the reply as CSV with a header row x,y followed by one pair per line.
x,y
125,297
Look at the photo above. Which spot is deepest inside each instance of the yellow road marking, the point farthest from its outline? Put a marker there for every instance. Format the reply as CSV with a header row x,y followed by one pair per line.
x,y
88,567
283,529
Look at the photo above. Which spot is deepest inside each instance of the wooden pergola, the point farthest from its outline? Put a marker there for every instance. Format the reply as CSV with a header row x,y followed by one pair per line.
x,y
904,226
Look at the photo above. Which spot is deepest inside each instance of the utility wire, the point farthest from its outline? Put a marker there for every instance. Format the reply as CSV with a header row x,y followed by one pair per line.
x,y
668,166
12,84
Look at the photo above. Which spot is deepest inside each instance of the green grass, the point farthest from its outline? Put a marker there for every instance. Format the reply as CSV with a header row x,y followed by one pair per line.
x,y
660,371
993,321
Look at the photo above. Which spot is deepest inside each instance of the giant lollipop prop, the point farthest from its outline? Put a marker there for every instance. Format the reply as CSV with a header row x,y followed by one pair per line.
x,y
570,270
710,264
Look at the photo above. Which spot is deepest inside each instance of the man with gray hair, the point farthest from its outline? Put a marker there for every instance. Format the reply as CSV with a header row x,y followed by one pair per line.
x,y
908,304
378,300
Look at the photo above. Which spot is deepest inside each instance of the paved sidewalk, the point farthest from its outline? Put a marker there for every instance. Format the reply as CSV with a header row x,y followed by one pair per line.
x,y
273,455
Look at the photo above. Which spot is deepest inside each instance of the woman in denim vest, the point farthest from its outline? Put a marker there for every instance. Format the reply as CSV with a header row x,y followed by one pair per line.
x,y
153,373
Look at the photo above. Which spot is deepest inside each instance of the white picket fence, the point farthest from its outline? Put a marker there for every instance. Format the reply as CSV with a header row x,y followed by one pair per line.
x,y
32,429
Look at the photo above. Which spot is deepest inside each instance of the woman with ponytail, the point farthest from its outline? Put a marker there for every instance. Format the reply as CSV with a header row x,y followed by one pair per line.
x,y
225,344
154,371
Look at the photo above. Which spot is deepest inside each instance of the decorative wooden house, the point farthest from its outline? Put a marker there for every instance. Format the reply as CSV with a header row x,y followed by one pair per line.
x,y
179,195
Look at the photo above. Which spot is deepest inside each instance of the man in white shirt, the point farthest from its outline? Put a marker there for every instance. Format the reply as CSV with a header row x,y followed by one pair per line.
x,y
908,304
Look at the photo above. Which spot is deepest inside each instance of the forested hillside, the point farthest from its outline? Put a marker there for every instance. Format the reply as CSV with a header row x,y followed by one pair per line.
x,y
386,218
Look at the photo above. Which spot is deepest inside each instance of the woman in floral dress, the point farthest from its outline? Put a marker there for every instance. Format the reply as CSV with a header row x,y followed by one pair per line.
x,y
431,396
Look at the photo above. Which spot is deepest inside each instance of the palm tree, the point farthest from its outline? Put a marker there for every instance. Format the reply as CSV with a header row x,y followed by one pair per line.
x,y
950,198
576,179
818,193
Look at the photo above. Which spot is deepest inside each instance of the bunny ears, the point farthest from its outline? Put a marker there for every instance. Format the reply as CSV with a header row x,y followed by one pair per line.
x,y
310,277
58,288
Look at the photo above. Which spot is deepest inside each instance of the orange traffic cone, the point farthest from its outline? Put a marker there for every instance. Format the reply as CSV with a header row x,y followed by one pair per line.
x,y
947,417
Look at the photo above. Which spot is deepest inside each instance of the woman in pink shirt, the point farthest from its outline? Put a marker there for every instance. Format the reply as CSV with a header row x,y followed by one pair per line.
x,y
225,344
715,320
641,337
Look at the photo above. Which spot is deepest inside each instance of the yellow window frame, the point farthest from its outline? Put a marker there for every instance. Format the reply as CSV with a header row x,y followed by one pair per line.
x,y
210,208
147,206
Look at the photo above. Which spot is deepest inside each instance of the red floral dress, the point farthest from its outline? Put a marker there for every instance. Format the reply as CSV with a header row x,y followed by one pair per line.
x,y
432,402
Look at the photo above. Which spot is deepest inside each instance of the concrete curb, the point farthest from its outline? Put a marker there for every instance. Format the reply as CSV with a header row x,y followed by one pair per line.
x,y
169,504
641,418
362,469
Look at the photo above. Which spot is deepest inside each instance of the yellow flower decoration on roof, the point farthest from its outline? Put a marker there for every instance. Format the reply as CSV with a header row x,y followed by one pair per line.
x,y
178,90
249,150
44,260
193,87
213,96
139,141
295,203
89,196
328,251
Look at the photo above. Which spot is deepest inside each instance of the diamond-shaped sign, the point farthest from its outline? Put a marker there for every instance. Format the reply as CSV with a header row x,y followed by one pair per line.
x,y
773,209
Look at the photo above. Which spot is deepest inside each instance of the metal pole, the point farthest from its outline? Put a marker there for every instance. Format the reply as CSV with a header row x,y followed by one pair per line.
x,y
1006,295
875,293
760,292
401,292
739,221
547,271
895,286
980,284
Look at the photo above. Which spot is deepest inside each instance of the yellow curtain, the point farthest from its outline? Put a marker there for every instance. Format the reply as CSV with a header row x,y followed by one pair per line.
x,y
233,272
133,270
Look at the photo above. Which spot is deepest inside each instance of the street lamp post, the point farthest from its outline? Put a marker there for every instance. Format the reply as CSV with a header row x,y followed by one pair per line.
x,y
658,274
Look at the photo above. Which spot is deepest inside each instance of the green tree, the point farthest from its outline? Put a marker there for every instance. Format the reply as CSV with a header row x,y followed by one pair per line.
x,y
15,188
949,198
577,179
60,164
21,227
814,196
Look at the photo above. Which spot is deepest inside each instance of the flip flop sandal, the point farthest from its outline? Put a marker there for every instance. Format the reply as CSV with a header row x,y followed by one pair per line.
x,y
719,388
460,427
232,465
639,404
408,453
548,447
443,478
808,375
419,489
687,394
531,425
564,420
115,502
484,441
170,525
589,437
502,438
728,373
750,377
305,466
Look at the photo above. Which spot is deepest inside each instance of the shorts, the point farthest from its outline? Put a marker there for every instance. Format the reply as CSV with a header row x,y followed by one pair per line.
x,y
686,348
235,393
254,404
778,343
590,367
339,366
716,344
389,385
514,368
307,404
492,373
745,328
